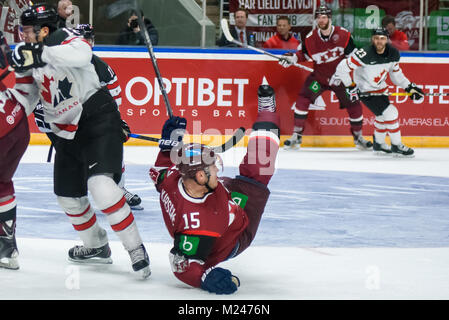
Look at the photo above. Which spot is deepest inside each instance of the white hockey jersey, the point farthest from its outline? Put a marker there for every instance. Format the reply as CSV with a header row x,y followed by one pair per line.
x,y
66,82
369,70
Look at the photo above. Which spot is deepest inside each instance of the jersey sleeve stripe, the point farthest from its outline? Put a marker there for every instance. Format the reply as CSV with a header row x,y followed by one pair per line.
x,y
202,233
25,80
67,127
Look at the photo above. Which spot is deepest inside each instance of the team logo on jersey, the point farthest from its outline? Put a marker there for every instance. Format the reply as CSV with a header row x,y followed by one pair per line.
x,y
335,38
10,120
189,244
60,93
315,86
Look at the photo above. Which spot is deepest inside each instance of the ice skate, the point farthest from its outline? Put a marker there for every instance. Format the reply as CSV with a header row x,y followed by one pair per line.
x,y
362,144
140,261
82,254
381,148
401,150
9,252
266,101
294,142
133,200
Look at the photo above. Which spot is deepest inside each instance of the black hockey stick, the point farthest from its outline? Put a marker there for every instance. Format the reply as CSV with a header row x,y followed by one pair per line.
x,y
228,36
401,94
236,137
121,6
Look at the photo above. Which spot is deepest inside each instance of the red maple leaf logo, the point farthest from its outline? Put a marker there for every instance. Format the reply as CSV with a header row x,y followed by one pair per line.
x,y
377,79
47,93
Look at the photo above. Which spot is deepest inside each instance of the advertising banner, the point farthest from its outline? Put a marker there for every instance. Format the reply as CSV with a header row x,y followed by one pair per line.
x,y
219,94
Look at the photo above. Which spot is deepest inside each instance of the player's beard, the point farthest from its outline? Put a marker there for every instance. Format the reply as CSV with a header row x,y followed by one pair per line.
x,y
326,26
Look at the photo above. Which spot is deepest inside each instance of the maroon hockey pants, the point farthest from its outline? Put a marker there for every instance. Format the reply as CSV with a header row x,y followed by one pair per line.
x,y
12,147
256,170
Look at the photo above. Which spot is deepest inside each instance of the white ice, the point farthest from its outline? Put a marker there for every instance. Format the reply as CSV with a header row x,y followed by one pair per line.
x,y
288,271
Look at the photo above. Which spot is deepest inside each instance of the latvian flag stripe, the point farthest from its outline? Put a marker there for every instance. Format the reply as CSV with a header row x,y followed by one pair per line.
x,y
8,204
115,207
124,224
86,225
265,134
71,215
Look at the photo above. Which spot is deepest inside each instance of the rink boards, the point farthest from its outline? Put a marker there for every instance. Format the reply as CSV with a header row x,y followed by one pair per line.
x,y
216,90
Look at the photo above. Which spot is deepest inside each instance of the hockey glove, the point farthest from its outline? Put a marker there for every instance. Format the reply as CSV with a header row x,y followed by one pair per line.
x,y
288,59
353,93
219,281
334,81
416,93
172,133
126,130
26,56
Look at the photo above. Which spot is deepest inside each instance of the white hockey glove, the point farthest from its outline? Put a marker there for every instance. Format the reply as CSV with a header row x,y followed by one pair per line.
x,y
288,59
415,91
353,93
334,81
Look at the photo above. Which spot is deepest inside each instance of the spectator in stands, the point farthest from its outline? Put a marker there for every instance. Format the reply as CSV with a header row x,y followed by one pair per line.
x,y
65,10
131,34
398,38
283,39
238,31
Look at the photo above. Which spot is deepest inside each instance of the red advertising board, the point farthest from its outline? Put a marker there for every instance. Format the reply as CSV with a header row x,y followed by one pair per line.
x,y
219,94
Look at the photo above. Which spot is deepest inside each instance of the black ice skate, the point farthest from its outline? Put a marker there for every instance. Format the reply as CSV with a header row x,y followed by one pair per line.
x,y
294,142
8,246
266,101
401,150
362,144
381,148
82,254
133,200
140,261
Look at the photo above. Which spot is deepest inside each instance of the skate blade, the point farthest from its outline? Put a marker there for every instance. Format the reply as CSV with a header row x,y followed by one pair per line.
x,y
382,154
398,155
362,148
144,272
294,148
138,207
9,263
92,261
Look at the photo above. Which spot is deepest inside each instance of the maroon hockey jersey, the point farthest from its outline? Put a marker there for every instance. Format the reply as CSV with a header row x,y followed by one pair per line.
x,y
205,230
325,53
11,111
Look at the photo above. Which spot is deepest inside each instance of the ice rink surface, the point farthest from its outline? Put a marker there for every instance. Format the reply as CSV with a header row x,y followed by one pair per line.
x,y
339,224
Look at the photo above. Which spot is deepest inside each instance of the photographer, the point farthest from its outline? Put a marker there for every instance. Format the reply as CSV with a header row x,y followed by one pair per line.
x,y
131,34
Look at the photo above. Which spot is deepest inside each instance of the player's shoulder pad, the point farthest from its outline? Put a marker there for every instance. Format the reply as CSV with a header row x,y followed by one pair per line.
x,y
393,54
57,37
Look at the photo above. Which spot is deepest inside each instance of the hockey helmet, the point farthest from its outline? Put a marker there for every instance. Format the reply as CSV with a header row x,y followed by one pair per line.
x,y
193,157
380,32
323,10
40,15
86,30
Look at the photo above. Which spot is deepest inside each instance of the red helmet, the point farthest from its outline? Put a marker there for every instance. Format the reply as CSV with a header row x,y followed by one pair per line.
x,y
193,157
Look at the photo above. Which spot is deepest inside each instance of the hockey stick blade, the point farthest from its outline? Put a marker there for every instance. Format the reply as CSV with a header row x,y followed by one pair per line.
x,y
228,36
236,137
403,94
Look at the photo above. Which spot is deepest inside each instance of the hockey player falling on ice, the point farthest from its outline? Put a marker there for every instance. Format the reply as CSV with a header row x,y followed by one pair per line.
x,y
326,45
108,79
213,219
371,66
14,138
88,135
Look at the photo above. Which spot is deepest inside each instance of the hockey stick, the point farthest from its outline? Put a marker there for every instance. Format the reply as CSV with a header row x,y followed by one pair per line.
x,y
402,94
228,36
236,137
121,6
